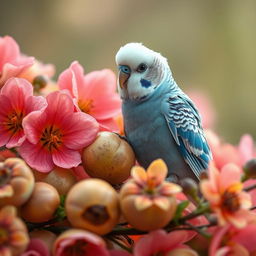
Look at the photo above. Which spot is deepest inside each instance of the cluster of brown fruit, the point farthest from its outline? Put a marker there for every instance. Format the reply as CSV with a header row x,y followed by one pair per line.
x,y
146,201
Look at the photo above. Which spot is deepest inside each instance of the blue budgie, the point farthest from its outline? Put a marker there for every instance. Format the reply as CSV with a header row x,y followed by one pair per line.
x,y
160,120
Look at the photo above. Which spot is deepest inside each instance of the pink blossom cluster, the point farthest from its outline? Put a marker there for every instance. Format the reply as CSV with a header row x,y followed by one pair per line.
x,y
51,130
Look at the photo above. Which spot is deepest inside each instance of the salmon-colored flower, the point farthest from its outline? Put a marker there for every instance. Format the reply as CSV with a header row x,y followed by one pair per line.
x,y
16,102
12,63
16,182
13,233
225,194
159,242
147,200
79,242
95,93
229,240
224,152
38,69
55,134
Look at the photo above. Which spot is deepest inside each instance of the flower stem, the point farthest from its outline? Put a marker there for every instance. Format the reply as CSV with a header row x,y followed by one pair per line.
x,y
31,225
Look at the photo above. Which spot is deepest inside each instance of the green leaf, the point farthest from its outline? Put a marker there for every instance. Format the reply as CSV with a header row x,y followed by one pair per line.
x,y
60,213
180,208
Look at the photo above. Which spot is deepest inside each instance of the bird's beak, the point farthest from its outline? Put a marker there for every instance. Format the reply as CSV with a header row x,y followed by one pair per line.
x,y
123,79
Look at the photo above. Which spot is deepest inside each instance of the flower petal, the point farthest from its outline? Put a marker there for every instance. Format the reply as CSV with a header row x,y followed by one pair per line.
x,y
139,174
212,196
17,89
12,70
108,125
157,171
162,202
79,129
36,156
91,243
240,218
71,78
169,189
245,200
147,244
60,105
246,237
142,203
34,103
66,158
9,50
217,239
230,173
131,188
16,139
246,148
33,125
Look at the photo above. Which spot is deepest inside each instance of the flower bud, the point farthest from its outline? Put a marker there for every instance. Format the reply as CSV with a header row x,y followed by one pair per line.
x,y
190,188
250,169
39,82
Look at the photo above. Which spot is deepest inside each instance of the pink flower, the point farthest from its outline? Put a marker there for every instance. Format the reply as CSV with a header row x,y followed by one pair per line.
x,y
36,247
79,242
162,243
55,134
80,173
224,192
38,69
229,240
204,105
224,152
95,93
12,63
16,101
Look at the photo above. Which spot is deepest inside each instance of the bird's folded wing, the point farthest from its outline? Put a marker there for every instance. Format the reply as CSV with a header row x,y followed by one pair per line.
x,y
185,126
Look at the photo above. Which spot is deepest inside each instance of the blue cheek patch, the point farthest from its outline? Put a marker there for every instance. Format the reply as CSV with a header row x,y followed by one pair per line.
x,y
145,83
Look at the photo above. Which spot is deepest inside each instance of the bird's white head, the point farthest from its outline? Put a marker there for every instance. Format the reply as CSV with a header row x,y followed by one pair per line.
x,y
141,70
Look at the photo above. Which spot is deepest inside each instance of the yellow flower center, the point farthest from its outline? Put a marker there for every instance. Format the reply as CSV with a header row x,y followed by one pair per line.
x,y
14,122
4,235
51,138
86,105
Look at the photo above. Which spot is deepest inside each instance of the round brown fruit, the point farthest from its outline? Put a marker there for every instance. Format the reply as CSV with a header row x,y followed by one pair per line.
x,y
109,158
42,204
60,178
93,204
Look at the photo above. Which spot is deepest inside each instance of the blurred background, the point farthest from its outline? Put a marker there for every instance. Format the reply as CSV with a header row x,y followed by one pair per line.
x,y
210,44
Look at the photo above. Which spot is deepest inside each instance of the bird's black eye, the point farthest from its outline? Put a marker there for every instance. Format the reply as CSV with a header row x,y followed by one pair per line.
x,y
142,68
